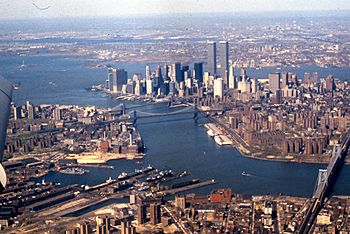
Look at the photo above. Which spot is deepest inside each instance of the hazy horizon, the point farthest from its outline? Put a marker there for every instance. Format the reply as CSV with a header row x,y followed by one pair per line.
x,y
242,15
26,9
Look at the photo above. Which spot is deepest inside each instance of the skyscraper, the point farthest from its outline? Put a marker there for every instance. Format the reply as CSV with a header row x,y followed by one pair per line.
x,y
212,58
159,72
315,77
57,113
148,71
223,61
138,88
166,72
198,72
176,72
109,83
119,77
284,77
149,86
274,81
218,87
17,112
30,110
232,83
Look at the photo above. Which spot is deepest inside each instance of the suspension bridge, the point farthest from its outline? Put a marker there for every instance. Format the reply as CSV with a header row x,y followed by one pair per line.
x,y
134,115
325,181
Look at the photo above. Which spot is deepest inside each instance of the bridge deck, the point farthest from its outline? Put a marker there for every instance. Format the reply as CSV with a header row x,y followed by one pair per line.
x,y
324,184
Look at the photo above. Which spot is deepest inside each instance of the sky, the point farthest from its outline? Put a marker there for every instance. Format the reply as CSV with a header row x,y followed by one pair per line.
x,y
25,9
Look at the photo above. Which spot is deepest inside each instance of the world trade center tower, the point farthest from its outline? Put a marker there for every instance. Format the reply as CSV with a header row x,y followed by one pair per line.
x,y
223,61
212,58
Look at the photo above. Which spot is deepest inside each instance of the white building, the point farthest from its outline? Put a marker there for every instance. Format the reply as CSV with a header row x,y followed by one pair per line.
x,y
218,87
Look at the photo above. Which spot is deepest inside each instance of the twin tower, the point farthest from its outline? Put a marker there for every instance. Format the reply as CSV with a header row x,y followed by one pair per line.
x,y
219,65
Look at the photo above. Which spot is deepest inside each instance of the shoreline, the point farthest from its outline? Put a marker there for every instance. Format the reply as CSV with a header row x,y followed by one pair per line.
x,y
102,158
245,152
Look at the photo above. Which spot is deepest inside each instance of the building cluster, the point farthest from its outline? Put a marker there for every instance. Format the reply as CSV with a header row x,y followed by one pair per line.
x,y
288,115
177,79
222,212
69,129
281,113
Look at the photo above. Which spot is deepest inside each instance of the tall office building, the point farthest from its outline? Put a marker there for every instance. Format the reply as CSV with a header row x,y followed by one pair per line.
x,y
159,74
212,58
223,61
155,213
198,72
315,77
109,82
232,83
17,112
137,77
284,77
138,88
306,78
274,81
30,110
186,73
330,84
254,85
176,72
116,77
149,86
166,72
148,71
57,113
218,88
294,79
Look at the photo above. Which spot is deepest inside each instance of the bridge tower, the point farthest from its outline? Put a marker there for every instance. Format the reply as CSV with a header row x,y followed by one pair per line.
x,y
134,117
322,177
123,108
195,113
322,182
170,103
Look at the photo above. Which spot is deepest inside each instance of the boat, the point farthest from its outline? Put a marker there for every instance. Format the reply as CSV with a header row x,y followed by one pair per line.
x,y
16,85
148,169
160,175
245,174
143,188
182,174
74,171
123,175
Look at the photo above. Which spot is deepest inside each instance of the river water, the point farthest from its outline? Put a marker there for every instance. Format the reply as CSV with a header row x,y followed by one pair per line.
x,y
175,142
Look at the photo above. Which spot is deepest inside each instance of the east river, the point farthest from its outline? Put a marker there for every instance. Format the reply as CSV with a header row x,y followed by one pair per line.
x,y
175,142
